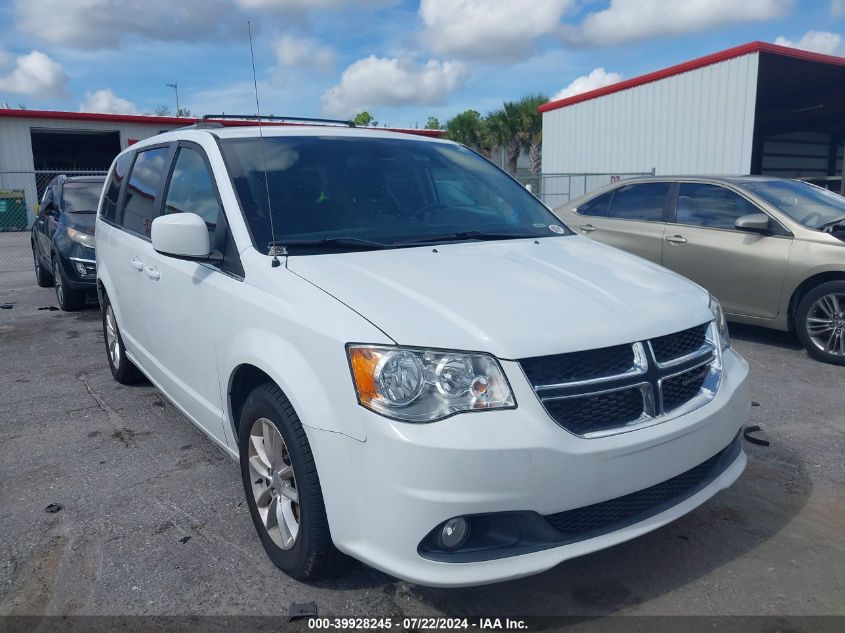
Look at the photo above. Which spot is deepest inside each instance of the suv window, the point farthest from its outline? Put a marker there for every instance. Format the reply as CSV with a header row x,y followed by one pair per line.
x,y
596,206
191,188
700,204
645,201
108,210
139,208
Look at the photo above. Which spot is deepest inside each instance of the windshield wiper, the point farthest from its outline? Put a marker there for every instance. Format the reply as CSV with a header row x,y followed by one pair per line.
x,y
466,235
832,224
332,242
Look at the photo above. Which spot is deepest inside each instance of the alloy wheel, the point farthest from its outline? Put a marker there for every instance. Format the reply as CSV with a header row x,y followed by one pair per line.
x,y
826,323
273,483
112,343
60,291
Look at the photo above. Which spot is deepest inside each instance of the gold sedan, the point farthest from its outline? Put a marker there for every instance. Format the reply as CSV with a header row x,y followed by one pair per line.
x,y
772,250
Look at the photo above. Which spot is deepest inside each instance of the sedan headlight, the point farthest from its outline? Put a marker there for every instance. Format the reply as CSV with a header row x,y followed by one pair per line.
x,y
721,322
422,385
80,238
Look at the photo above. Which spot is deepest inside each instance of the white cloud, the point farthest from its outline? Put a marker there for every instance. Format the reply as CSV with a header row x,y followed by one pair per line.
x,y
294,51
631,20
106,101
376,81
598,78
488,29
96,24
837,8
35,75
817,42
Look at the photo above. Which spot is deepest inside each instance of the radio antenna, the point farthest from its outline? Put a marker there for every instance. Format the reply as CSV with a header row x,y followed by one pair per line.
x,y
273,245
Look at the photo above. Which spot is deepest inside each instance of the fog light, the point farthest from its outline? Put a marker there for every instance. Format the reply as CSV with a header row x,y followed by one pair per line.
x,y
454,533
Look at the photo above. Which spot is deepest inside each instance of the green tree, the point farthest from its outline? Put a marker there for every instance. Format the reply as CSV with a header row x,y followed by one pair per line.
x,y
532,131
468,128
162,110
433,123
183,112
505,127
364,119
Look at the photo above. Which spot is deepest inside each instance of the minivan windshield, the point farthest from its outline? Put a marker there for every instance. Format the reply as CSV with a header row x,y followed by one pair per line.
x,y
353,193
81,197
812,206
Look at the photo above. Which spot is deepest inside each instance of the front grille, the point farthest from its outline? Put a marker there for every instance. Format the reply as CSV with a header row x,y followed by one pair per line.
x,y
608,516
679,389
550,370
604,390
679,344
598,412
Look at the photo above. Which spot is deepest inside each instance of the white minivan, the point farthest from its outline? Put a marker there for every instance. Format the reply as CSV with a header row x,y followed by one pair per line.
x,y
415,363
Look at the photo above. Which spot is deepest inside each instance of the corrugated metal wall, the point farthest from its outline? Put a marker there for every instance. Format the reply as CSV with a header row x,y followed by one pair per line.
x,y
698,122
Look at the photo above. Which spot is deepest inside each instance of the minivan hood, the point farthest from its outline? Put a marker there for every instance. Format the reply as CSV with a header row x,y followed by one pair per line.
x,y
511,298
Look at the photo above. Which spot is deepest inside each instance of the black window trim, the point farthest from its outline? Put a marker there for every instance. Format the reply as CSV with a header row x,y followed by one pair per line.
x,y
780,231
157,202
233,268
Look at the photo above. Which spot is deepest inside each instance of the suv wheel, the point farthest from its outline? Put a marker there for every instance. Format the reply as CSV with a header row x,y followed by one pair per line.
x,y
122,369
282,488
820,322
69,299
42,277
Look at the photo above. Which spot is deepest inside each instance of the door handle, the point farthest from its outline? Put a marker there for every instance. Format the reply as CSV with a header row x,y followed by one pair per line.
x,y
152,273
676,239
587,228
136,263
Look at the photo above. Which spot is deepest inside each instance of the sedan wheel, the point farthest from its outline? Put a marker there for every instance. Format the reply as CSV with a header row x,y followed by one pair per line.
x,y
826,324
273,483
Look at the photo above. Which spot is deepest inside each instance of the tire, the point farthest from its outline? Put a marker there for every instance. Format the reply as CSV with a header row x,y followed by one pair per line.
x,y
310,554
820,322
42,277
122,369
69,300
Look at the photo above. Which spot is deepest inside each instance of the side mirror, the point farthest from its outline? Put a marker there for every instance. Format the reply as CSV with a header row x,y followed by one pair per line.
x,y
50,209
181,235
753,223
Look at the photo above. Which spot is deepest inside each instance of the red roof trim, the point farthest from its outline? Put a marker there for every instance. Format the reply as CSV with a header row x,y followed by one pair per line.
x,y
701,62
163,120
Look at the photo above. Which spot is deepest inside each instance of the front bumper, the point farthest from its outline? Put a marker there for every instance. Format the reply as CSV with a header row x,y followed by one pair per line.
x,y
385,495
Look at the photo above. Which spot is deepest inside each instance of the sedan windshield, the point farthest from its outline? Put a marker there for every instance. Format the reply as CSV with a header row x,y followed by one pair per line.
x,y
812,206
81,197
331,193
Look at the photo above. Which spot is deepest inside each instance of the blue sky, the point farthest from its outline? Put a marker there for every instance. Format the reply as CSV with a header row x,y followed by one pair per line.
x,y
401,60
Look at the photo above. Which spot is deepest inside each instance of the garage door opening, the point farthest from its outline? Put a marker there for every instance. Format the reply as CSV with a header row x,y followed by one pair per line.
x,y
73,150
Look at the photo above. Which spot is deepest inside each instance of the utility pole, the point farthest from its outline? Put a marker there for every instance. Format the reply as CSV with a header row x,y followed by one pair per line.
x,y
175,87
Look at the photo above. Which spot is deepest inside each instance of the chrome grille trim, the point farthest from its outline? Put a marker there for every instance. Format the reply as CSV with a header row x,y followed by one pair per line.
x,y
649,376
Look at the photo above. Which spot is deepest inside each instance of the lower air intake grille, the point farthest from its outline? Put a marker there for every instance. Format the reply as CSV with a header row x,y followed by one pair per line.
x,y
601,518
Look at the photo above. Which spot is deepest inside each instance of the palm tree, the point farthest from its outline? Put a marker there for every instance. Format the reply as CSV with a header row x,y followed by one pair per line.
x,y
506,129
532,131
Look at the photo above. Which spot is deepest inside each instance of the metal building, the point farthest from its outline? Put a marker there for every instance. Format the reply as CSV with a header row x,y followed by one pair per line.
x,y
754,109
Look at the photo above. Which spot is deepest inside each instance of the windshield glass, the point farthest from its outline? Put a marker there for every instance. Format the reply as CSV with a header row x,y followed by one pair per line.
x,y
382,191
81,197
805,203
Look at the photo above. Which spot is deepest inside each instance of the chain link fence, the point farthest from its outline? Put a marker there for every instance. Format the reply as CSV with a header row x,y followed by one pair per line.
x,y
558,189
20,197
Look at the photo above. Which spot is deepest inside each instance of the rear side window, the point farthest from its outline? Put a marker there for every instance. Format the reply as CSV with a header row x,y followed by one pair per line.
x,y
139,209
646,201
191,188
712,206
596,206
108,210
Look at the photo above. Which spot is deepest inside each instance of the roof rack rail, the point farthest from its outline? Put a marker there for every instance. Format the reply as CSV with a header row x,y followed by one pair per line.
x,y
253,117
201,125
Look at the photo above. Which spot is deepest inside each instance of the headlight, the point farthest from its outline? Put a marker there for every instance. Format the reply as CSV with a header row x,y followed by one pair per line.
x,y
721,322
420,385
80,238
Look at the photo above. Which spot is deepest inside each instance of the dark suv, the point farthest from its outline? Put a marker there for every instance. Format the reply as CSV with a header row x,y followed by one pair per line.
x,y
63,238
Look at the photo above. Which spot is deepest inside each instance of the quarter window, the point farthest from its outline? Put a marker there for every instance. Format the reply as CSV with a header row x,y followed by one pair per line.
x,y
140,209
108,210
711,206
646,201
191,188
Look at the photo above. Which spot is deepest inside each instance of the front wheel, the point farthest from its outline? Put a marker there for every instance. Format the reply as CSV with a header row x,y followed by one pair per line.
x,y
820,322
282,487
68,298
42,277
